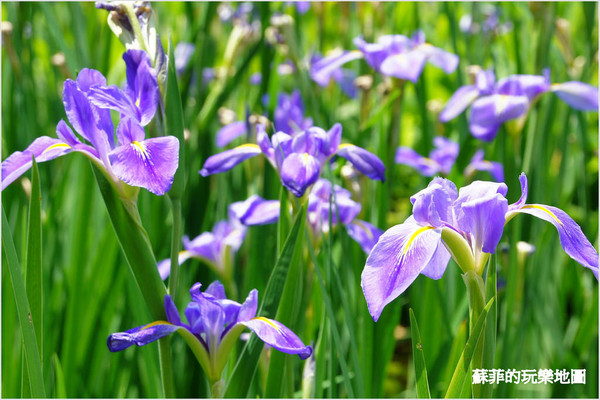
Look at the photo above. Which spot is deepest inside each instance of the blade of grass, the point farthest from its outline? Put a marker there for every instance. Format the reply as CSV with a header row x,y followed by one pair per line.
x,y
418,359
240,380
32,353
489,344
460,373
60,389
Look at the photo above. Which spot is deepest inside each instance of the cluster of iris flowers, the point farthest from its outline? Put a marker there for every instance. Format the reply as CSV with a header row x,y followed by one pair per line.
x,y
465,225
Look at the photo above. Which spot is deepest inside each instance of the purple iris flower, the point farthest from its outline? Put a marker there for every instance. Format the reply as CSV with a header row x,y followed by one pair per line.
x,y
298,158
344,210
289,114
494,103
216,248
214,324
440,160
479,164
466,225
230,132
148,163
343,76
393,55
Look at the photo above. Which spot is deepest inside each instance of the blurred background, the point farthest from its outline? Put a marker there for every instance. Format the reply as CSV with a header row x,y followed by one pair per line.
x,y
547,306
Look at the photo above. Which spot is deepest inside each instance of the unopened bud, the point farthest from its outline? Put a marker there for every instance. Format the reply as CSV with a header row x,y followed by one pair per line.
x,y
472,71
280,21
26,185
364,82
226,115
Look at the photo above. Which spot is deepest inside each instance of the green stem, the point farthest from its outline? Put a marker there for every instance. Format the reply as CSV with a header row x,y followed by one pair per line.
x,y
476,293
135,25
166,372
175,241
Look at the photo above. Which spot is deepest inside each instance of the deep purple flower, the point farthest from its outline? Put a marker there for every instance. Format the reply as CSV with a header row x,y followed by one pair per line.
x,y
466,225
298,158
392,55
289,114
214,324
441,159
216,248
344,211
494,103
148,163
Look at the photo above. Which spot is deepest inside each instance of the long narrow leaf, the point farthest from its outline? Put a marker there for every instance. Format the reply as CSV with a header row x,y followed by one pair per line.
x,y
240,380
489,344
32,354
460,373
419,359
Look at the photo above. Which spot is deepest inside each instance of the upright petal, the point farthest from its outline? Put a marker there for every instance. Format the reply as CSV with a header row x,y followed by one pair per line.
x,y
164,266
480,211
228,159
445,153
171,311
248,309
433,205
147,92
459,101
364,233
399,256
88,78
479,164
113,98
365,161
261,212
129,130
489,112
299,171
578,95
230,132
150,164
212,315
278,336
141,335
572,239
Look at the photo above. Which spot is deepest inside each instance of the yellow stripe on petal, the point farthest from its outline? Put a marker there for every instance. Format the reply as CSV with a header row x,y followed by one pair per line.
x,y
248,145
268,321
545,210
57,146
140,148
150,325
414,236
501,104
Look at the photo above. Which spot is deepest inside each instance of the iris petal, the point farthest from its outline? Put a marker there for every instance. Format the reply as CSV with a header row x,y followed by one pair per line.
x,y
141,335
230,132
150,164
365,161
278,336
299,171
228,159
364,233
399,256
578,95
459,101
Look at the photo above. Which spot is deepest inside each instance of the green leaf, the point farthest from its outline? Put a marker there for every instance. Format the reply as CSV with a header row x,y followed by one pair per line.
x,y
60,389
285,220
240,380
32,354
419,359
489,344
33,260
460,373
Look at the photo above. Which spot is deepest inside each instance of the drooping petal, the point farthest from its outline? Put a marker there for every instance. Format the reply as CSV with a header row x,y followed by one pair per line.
x,y
364,161
399,256
459,101
345,78
141,335
323,70
43,149
299,171
150,164
437,264
376,53
204,246
578,95
228,159
480,211
278,336
572,239
529,85
440,58
364,233
129,130
261,212
147,92
524,192
230,132
405,65
88,78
